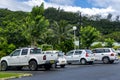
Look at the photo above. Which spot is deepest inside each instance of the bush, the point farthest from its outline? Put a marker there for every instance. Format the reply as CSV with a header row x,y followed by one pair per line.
x,y
2,54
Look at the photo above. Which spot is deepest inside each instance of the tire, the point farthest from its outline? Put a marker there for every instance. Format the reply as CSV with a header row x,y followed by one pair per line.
x,y
62,66
4,66
112,61
105,60
33,65
83,61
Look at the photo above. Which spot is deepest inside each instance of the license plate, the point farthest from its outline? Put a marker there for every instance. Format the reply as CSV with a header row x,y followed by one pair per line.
x,y
63,61
92,58
52,61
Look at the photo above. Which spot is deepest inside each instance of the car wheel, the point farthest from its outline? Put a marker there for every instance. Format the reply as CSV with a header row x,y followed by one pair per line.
x,y
62,66
106,60
83,61
4,66
33,65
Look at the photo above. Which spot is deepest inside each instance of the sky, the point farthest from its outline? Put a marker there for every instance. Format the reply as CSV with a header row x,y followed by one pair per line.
x,y
89,7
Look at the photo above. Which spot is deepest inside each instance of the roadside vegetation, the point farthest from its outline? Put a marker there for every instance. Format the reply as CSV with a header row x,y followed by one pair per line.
x,y
55,27
8,75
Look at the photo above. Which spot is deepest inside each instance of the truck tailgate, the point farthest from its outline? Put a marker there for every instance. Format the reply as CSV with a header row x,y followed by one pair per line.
x,y
51,56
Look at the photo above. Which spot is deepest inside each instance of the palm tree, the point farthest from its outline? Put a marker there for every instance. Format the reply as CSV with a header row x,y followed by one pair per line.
x,y
62,31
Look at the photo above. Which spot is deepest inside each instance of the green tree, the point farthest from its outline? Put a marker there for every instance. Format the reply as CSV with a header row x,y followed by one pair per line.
x,y
98,45
88,36
36,24
61,31
109,42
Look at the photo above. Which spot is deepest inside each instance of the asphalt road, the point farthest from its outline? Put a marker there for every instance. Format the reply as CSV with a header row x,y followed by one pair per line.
x,y
97,71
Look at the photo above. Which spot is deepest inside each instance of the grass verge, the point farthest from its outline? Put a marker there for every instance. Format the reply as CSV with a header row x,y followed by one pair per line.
x,y
8,75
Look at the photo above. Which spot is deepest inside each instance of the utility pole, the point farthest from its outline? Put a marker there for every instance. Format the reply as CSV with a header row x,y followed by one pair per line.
x,y
79,26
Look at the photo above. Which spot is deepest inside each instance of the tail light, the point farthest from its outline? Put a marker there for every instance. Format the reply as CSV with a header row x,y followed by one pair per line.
x,y
44,57
112,54
87,55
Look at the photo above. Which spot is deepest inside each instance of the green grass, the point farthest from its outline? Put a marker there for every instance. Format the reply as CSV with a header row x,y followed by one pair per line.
x,y
6,75
12,75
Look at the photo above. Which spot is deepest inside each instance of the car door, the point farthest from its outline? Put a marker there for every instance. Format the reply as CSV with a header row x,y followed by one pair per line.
x,y
23,57
14,58
69,56
77,55
99,53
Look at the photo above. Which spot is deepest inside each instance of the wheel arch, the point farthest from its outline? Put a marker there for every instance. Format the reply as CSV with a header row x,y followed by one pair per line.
x,y
83,58
105,57
5,61
33,59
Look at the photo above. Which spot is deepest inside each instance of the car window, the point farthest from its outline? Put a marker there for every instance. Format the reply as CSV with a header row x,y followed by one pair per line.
x,y
113,50
48,53
89,51
78,52
60,53
98,51
106,50
24,52
70,53
35,51
16,53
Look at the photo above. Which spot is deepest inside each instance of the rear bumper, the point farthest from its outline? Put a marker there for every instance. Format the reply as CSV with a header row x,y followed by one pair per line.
x,y
114,58
90,59
61,63
51,61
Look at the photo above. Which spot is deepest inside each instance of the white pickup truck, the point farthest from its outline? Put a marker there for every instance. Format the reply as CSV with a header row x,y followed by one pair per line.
x,y
31,57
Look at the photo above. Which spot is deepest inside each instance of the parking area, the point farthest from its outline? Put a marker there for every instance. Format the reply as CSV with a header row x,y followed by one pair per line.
x,y
97,71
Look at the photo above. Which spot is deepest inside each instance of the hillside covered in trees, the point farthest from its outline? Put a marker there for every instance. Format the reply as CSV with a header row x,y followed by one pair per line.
x,y
50,26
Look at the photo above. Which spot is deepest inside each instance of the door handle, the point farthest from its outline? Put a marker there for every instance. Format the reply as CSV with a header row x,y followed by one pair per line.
x,y
102,54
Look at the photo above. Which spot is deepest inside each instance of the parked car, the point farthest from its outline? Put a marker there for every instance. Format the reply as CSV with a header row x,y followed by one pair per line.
x,y
107,55
118,51
82,56
31,57
61,58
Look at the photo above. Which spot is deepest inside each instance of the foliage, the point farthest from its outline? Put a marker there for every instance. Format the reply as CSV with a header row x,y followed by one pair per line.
x,y
113,35
5,48
98,45
109,42
66,45
88,36
36,24
53,26
116,47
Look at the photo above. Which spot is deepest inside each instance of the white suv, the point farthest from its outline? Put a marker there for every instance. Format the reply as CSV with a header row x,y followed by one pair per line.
x,y
83,56
107,55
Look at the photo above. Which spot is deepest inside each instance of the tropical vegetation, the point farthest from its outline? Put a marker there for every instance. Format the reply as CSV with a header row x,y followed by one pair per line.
x,y
53,26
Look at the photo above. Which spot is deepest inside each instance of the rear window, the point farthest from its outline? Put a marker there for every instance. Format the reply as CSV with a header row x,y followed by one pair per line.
x,y
35,51
89,51
113,50
60,53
